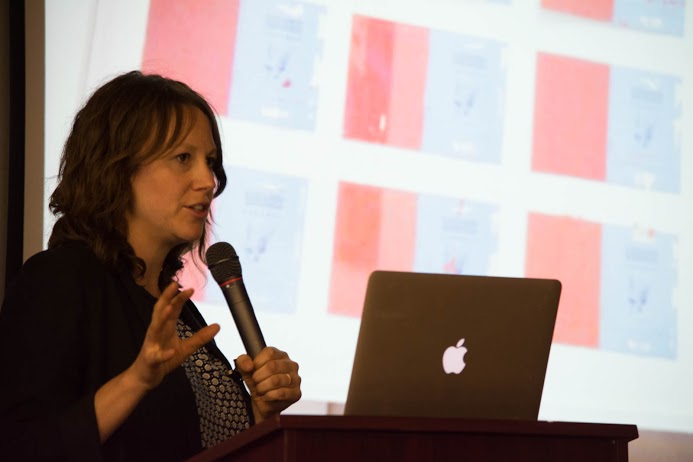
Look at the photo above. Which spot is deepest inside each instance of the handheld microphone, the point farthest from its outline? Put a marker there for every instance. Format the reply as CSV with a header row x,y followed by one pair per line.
x,y
222,261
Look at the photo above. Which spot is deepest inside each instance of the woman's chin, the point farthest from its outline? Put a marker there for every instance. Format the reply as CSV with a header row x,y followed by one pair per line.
x,y
187,238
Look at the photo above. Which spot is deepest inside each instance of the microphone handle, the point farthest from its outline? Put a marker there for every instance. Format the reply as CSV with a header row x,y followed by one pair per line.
x,y
244,316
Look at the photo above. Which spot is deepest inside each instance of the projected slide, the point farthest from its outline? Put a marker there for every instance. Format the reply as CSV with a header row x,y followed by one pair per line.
x,y
644,147
383,229
454,236
660,16
425,89
254,60
487,137
616,125
262,215
568,250
385,89
195,43
638,315
375,229
274,78
464,97
618,283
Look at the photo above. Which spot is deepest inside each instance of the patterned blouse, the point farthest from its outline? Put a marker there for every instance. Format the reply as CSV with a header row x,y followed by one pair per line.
x,y
220,404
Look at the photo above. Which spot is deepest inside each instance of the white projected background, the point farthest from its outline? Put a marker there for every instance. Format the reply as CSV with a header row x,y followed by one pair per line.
x,y
512,138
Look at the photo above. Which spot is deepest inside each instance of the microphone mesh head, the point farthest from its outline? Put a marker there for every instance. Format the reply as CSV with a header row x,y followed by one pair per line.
x,y
222,261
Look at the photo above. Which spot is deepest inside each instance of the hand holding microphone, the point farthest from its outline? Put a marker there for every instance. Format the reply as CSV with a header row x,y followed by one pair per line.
x,y
270,375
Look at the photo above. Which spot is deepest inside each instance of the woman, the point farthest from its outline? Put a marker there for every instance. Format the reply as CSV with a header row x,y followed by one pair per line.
x,y
103,357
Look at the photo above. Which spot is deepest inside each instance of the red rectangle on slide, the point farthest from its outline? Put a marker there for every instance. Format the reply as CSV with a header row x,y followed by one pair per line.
x,y
375,229
193,42
385,89
568,250
571,117
602,10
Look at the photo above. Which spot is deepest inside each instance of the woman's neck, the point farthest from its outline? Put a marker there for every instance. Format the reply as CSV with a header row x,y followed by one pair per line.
x,y
150,282
154,261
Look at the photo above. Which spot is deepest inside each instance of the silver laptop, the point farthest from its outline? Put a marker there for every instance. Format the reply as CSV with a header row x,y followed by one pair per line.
x,y
439,345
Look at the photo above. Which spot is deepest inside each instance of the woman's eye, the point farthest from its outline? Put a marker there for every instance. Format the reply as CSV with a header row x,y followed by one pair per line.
x,y
211,161
183,157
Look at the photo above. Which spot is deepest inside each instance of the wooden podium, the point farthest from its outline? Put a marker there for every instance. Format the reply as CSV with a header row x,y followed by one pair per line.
x,y
289,438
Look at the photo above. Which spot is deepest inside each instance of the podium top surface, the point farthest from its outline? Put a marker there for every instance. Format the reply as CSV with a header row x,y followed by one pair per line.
x,y
437,425
308,423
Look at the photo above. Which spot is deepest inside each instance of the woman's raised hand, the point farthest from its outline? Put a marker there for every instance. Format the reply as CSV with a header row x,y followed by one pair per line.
x,y
162,350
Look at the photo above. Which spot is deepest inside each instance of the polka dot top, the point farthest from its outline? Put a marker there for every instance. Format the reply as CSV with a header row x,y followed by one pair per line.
x,y
220,404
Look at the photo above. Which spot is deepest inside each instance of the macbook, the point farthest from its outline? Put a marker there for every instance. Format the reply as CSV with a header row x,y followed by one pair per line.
x,y
440,345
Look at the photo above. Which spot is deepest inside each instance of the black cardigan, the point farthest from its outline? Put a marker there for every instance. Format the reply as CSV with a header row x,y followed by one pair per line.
x,y
68,325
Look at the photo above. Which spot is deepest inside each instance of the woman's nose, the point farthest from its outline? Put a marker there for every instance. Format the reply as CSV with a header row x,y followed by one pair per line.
x,y
204,176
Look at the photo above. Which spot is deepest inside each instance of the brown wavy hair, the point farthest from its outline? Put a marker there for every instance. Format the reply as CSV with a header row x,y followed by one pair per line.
x,y
127,121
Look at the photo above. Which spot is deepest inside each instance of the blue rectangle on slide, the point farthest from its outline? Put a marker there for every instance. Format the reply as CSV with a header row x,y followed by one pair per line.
x,y
639,274
262,214
454,236
277,47
644,146
464,97
660,16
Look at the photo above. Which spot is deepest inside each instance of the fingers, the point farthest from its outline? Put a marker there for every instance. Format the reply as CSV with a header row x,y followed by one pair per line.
x,y
245,365
279,399
278,380
166,313
162,340
273,381
272,369
199,339
163,349
168,307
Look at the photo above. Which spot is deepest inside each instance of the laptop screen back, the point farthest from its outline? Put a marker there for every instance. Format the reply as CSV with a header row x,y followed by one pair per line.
x,y
435,345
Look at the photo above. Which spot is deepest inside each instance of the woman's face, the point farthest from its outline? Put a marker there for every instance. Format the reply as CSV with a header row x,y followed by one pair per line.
x,y
172,193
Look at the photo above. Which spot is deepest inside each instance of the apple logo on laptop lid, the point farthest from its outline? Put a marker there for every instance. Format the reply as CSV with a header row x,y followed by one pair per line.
x,y
453,358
